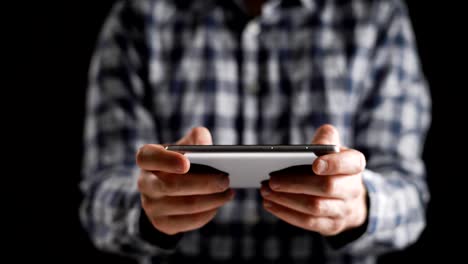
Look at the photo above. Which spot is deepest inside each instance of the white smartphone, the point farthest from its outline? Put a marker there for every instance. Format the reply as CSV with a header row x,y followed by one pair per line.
x,y
249,165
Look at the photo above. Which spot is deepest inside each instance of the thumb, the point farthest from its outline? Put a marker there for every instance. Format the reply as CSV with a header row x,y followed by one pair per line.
x,y
326,134
196,136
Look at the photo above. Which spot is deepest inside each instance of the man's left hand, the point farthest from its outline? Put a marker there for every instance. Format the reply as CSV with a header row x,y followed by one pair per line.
x,y
329,200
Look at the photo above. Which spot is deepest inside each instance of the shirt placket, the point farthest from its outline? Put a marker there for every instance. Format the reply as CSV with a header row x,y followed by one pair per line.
x,y
250,81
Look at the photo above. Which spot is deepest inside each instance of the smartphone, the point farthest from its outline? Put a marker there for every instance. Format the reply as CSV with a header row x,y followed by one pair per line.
x,y
318,149
249,165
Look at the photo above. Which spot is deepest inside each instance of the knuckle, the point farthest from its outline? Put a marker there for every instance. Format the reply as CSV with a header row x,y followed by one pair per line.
x,y
322,207
168,186
355,192
315,206
310,223
346,211
363,162
336,225
329,186
154,208
141,182
145,202
171,186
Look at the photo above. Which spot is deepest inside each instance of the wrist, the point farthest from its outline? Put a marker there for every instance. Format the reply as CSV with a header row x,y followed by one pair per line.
x,y
354,231
152,235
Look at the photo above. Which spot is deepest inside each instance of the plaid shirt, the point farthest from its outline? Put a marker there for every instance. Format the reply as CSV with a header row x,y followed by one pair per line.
x,y
162,67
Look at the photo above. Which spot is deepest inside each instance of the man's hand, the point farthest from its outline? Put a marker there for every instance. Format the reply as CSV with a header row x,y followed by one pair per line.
x,y
329,200
176,201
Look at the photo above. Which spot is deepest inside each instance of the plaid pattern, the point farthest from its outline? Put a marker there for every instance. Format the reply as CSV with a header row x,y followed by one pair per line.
x,y
162,67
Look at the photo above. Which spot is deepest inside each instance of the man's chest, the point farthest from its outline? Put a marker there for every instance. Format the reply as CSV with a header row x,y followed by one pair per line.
x,y
271,85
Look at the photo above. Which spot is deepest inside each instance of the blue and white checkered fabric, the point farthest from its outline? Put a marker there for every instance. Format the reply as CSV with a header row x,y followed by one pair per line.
x,y
163,66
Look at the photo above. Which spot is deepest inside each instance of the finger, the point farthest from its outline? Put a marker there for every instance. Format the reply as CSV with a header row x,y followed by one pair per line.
x,y
152,157
307,204
148,185
196,136
160,183
339,187
346,162
326,134
183,205
174,224
322,225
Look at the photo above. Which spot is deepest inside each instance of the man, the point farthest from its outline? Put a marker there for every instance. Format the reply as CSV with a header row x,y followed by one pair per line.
x,y
248,72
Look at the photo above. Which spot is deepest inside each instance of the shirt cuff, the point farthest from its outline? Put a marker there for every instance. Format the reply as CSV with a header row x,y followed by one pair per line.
x,y
155,237
382,233
342,239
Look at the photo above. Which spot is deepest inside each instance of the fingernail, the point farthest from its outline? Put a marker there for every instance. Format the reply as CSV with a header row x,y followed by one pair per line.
x,y
274,185
267,204
223,183
231,194
265,191
180,169
322,166
144,150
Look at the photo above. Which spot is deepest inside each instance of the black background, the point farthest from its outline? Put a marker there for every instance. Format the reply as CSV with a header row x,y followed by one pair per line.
x,y
52,46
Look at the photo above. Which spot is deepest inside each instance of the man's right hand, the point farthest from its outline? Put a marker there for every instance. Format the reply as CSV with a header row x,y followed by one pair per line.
x,y
174,200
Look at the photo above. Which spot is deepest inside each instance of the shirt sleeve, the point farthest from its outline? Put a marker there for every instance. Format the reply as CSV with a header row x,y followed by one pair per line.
x,y
118,121
390,129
